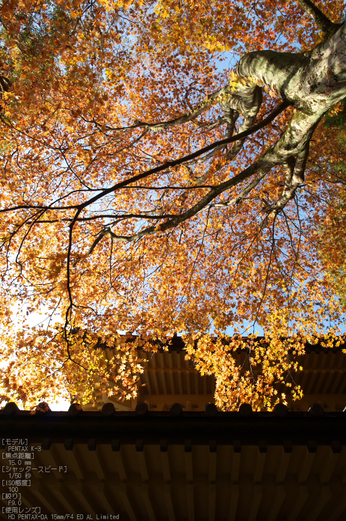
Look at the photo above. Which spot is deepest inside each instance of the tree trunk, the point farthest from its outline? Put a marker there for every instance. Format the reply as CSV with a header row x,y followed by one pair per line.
x,y
312,82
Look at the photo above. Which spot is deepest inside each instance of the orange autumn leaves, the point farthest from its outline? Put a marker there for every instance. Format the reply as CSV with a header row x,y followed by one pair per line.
x,y
249,370
84,75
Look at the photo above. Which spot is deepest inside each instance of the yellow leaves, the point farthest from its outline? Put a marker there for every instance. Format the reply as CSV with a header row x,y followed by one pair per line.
x,y
214,46
76,13
55,265
235,80
297,393
272,92
162,11
110,5
109,74
72,137
245,370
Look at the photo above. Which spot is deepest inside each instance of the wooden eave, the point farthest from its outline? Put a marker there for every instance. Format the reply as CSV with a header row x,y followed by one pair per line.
x,y
185,466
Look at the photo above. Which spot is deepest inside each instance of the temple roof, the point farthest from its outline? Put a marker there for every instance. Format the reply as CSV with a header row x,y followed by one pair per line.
x,y
179,466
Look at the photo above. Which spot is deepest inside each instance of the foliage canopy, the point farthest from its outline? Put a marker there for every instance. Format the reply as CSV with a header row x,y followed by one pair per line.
x,y
144,190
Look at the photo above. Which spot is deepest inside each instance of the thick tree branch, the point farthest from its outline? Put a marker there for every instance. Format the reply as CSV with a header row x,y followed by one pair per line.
x,y
293,181
291,150
243,97
5,84
168,164
203,203
202,107
185,159
320,18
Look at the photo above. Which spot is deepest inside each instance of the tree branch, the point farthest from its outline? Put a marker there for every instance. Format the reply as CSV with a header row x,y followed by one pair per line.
x,y
170,164
5,84
202,107
320,18
260,166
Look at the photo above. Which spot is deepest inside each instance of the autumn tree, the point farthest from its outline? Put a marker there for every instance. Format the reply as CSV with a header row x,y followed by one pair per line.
x,y
144,190
332,235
